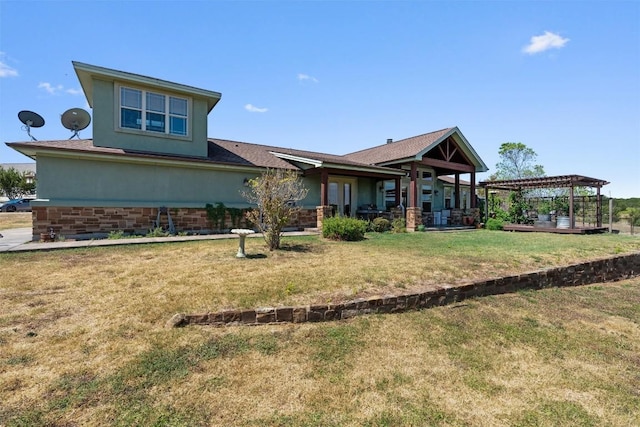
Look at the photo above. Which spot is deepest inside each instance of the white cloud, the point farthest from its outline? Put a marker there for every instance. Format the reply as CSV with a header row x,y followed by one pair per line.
x,y
56,89
50,88
6,70
254,109
544,42
303,77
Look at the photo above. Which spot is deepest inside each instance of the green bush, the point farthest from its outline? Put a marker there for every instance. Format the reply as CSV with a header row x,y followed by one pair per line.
x,y
116,234
380,225
157,232
494,224
399,225
342,228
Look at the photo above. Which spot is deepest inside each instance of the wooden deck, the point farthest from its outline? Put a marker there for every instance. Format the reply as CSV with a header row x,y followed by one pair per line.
x,y
577,230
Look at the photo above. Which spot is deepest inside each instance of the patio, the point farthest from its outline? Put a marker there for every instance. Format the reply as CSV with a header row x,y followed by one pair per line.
x,y
560,219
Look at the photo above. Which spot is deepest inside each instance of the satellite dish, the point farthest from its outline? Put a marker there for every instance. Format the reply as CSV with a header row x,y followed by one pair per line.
x,y
75,119
30,120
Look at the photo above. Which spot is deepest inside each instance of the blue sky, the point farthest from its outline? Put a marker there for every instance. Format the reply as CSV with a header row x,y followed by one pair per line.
x,y
561,77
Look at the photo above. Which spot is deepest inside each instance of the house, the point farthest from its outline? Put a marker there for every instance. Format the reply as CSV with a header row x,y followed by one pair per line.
x,y
150,150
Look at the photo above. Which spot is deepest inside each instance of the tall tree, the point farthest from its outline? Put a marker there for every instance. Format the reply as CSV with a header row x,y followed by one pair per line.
x,y
276,192
517,161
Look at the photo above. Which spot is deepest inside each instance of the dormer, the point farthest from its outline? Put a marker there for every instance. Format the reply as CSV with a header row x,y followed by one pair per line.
x,y
144,114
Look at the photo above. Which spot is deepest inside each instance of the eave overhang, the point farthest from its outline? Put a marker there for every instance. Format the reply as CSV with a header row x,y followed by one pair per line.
x,y
316,164
131,158
86,73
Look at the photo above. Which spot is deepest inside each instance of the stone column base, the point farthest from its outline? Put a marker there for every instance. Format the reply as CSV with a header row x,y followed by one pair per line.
x,y
414,218
322,213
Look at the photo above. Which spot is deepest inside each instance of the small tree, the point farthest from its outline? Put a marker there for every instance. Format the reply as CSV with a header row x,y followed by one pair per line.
x,y
632,215
13,184
276,192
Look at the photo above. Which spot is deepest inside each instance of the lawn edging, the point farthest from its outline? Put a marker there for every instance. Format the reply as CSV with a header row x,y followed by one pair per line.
x,y
598,271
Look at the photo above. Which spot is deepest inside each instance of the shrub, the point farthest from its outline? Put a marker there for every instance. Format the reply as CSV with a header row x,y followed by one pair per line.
x,y
421,227
380,225
342,228
116,234
399,225
157,232
494,224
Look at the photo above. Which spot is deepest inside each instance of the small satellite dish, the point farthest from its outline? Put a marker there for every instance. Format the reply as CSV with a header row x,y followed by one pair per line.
x,y
30,120
75,119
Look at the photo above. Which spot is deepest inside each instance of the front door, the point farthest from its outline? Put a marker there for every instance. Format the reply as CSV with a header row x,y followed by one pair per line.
x,y
342,195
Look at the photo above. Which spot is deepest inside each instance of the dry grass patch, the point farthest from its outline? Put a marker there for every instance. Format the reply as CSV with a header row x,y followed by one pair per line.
x,y
15,220
82,337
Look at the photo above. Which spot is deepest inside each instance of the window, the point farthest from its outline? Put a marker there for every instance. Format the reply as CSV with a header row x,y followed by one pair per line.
x,y
426,198
448,195
153,112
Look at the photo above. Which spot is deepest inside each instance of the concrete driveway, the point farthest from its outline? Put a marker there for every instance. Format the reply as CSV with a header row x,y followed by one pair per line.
x,y
14,237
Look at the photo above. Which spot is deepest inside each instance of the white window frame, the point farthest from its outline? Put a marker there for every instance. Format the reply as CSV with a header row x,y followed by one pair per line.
x,y
168,115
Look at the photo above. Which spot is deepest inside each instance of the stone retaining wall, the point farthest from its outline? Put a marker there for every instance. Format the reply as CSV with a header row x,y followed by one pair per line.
x,y
599,271
71,221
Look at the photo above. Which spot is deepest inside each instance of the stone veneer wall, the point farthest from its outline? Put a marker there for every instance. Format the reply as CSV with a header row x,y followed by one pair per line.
x,y
73,221
599,271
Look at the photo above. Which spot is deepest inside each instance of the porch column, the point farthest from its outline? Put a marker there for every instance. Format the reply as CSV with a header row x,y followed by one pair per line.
x,y
571,218
486,203
473,197
414,218
598,208
413,190
457,190
324,188
398,192
322,212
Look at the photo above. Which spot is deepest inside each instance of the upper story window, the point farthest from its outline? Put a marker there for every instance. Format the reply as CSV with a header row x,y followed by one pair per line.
x,y
153,112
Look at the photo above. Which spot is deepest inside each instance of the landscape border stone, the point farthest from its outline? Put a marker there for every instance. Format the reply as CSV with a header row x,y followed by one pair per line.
x,y
603,270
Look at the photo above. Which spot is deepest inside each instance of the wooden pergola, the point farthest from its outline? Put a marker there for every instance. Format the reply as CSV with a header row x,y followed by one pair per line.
x,y
561,181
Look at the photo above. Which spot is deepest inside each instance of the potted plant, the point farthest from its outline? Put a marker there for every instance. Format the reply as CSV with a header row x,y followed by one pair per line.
x,y
562,212
544,211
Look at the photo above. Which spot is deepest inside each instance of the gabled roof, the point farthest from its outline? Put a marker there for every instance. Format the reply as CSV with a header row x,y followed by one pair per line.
x,y
414,148
398,150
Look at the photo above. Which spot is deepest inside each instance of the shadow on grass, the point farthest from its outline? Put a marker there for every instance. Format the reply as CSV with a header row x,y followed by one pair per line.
x,y
297,247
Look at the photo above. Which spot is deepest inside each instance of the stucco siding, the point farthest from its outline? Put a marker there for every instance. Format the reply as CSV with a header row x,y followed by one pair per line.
x,y
107,134
81,182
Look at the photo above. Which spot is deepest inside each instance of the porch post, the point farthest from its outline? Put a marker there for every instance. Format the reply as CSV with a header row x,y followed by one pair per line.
x,y
571,218
413,191
473,203
457,190
414,213
324,187
598,208
398,192
486,203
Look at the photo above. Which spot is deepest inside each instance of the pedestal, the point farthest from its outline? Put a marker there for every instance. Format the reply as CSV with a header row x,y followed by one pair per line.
x,y
242,233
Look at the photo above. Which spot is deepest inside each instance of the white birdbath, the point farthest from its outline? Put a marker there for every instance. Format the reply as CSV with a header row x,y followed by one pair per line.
x,y
242,233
